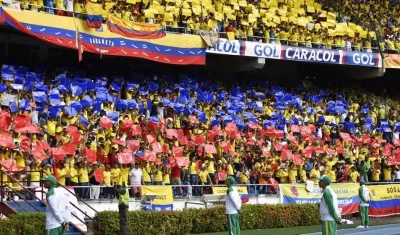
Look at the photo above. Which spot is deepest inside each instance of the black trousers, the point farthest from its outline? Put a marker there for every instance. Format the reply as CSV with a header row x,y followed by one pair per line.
x,y
123,220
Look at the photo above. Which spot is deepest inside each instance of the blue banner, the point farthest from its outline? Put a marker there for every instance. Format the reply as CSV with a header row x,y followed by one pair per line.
x,y
311,55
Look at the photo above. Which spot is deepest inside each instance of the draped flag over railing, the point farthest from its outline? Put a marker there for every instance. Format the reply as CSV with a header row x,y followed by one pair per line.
x,y
62,31
132,29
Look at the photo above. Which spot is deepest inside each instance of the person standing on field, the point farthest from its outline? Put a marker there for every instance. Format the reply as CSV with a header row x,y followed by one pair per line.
x,y
363,192
233,207
329,207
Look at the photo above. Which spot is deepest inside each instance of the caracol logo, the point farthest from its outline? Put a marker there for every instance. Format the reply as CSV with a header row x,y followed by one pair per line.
x,y
294,191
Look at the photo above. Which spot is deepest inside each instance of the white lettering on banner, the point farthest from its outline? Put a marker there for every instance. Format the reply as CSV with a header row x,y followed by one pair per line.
x,y
263,50
225,47
365,59
310,55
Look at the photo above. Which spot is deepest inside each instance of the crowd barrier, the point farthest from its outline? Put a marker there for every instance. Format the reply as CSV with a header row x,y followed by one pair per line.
x,y
385,197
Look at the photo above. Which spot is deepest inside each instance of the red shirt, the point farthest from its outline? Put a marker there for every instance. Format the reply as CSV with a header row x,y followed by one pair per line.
x,y
176,172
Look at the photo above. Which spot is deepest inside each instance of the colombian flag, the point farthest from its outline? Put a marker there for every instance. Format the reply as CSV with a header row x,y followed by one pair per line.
x,y
94,17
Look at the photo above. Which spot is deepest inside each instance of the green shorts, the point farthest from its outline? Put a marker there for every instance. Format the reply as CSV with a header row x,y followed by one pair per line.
x,y
56,231
329,228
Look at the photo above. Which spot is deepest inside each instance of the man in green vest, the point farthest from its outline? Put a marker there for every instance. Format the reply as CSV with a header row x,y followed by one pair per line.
x,y
123,206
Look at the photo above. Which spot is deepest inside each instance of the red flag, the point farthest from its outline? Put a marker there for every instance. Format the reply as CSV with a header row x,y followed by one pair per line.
x,y
99,175
178,151
151,138
295,129
69,148
58,153
171,133
21,121
297,160
226,146
133,144
90,154
199,139
209,148
119,142
222,175
37,152
150,156
105,122
9,165
43,145
124,158
182,161
5,120
136,130
25,144
286,154
156,147
231,128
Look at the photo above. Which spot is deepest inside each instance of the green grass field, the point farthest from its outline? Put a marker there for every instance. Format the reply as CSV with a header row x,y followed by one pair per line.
x,y
288,231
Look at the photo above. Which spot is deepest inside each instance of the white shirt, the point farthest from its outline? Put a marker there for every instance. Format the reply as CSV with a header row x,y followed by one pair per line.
x,y
233,202
57,209
135,176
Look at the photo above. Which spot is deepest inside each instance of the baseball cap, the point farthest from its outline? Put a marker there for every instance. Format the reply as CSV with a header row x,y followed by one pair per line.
x,y
325,178
50,178
230,179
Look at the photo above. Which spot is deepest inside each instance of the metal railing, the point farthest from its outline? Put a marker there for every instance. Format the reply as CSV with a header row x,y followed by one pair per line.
x,y
13,180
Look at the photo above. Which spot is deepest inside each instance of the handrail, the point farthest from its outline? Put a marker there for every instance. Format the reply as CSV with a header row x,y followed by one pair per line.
x,y
4,172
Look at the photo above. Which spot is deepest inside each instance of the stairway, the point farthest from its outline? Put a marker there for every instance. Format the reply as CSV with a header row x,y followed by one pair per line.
x,y
26,207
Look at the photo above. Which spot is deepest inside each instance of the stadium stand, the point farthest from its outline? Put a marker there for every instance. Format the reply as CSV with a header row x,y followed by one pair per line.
x,y
162,129
325,24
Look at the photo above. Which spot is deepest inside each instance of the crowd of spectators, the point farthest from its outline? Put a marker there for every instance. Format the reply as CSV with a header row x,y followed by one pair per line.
x,y
347,24
189,131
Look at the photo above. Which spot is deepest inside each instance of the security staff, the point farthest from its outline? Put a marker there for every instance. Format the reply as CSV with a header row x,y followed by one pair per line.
x,y
364,204
123,206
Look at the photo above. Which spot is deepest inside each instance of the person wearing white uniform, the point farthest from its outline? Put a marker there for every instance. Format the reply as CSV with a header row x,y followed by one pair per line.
x,y
136,179
57,212
363,192
233,207
329,207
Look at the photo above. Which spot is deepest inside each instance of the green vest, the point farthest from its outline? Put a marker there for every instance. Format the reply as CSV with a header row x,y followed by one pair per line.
x,y
124,198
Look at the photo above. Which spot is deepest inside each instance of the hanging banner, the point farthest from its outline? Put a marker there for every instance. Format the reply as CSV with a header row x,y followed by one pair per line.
x,y
347,195
362,59
163,201
385,200
181,49
242,190
132,29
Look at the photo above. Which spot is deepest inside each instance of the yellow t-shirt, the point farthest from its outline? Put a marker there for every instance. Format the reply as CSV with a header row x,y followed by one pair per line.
x,y
353,176
116,175
146,176
203,176
73,175
107,178
51,127
84,177
387,174
35,177
314,175
158,176
292,174
375,175
62,175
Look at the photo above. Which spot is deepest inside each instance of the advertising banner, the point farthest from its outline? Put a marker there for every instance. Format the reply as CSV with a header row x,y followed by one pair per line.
x,y
385,200
312,55
242,190
280,52
164,200
362,59
347,195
